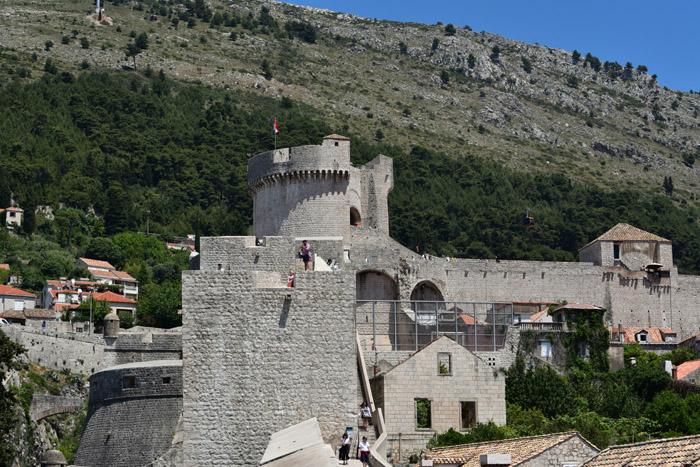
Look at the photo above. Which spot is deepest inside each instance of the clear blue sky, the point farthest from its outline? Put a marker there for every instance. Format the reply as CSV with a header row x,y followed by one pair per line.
x,y
663,35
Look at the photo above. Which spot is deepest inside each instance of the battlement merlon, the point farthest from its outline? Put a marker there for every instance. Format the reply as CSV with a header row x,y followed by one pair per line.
x,y
331,156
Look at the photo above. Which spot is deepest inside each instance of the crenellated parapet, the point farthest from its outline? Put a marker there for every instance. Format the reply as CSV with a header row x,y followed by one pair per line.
x,y
309,191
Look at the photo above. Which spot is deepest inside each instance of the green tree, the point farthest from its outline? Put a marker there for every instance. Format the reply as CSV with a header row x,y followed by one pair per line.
x,y
105,249
49,67
436,44
450,30
495,53
403,48
141,41
668,186
642,68
266,69
159,305
576,56
65,40
444,77
379,135
84,42
527,65
9,351
117,216
47,45
541,388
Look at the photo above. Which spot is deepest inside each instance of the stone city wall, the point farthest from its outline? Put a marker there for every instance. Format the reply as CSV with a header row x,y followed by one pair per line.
x,y
260,359
133,414
85,354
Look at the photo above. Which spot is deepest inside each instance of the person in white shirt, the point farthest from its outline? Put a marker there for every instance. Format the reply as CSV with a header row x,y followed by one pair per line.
x,y
345,448
364,452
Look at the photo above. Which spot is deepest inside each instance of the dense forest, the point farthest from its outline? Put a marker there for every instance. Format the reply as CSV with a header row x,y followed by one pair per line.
x,y
140,148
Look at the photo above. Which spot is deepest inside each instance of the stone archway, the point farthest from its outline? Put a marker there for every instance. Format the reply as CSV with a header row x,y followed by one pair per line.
x,y
426,290
374,318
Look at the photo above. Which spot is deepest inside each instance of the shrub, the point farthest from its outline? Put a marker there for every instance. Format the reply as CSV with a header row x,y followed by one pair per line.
x,y
450,30
527,65
84,43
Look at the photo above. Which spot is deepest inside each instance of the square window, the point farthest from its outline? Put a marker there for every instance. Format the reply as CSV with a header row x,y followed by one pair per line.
x,y
166,379
545,349
467,414
423,415
444,364
129,382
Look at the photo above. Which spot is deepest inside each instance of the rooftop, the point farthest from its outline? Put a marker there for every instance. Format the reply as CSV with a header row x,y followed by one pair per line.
x,y
7,290
520,449
685,368
670,452
97,263
627,233
112,297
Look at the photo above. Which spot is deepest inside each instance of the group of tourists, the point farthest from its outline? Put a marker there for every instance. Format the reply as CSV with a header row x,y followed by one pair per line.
x,y
363,446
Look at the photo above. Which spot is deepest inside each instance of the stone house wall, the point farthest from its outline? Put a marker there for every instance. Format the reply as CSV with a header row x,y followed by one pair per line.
x,y
574,451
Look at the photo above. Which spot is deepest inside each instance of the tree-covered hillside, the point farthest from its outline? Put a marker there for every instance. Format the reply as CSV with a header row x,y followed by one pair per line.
x,y
138,148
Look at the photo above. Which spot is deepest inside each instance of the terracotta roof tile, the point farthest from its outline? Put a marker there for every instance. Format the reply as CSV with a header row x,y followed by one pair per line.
x,y
124,276
7,290
112,297
672,452
627,233
97,263
6,267
12,314
520,449
685,368
655,335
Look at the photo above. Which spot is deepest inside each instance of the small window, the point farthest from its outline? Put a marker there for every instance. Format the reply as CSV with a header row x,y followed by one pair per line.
x,y
468,414
583,350
616,251
166,379
444,363
545,349
336,143
12,214
642,337
129,382
423,415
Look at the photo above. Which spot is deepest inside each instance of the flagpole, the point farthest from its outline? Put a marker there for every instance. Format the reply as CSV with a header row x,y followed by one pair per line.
x,y
274,130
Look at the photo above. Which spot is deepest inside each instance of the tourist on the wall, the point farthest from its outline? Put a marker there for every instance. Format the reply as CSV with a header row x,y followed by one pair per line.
x,y
366,415
290,279
305,254
364,452
344,452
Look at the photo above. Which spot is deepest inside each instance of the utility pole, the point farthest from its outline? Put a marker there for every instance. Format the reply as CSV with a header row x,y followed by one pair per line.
x,y
92,291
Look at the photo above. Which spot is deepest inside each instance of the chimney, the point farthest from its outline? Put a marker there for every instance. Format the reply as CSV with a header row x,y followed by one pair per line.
x,y
495,460
667,366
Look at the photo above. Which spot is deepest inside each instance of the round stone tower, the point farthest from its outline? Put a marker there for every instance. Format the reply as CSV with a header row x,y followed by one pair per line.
x,y
312,191
53,458
111,326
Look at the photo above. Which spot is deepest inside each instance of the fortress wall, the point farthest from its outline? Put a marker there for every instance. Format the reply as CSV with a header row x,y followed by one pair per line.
x,y
115,433
298,159
302,206
256,362
277,254
80,354
83,354
684,300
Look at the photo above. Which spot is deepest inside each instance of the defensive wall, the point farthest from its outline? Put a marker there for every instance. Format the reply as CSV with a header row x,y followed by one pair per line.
x,y
85,354
305,190
632,298
259,356
45,405
133,414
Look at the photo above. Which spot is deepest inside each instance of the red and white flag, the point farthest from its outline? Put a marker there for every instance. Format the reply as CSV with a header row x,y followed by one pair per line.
x,y
275,126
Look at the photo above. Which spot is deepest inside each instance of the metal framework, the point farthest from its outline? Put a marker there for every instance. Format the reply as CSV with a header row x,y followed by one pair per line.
x,y
410,324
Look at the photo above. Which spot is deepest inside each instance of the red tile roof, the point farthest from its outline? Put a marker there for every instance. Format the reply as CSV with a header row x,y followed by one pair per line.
x,y
577,306
15,209
112,297
96,263
627,233
124,276
113,275
6,267
672,452
685,368
7,290
520,449
655,335
537,316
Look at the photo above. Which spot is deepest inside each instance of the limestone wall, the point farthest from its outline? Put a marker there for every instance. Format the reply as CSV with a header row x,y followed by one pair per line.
x,y
85,354
133,414
256,362
574,451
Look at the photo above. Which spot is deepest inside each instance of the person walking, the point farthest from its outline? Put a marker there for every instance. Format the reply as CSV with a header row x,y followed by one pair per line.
x,y
364,452
344,453
366,415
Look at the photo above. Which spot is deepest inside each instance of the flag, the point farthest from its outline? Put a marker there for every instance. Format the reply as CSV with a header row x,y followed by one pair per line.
x,y
275,127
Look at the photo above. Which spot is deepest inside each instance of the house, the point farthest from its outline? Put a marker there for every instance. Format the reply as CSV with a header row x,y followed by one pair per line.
x,y
558,449
65,291
118,303
15,299
644,336
13,217
105,273
443,385
688,371
5,266
630,248
692,342
71,299
45,319
680,452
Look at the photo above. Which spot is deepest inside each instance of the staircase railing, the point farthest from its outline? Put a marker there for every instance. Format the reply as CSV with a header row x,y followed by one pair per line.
x,y
378,449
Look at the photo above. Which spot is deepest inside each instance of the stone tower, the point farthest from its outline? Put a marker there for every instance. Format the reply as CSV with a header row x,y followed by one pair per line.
x,y
309,191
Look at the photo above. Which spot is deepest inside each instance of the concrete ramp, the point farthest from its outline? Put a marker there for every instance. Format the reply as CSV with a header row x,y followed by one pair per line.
x,y
298,445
